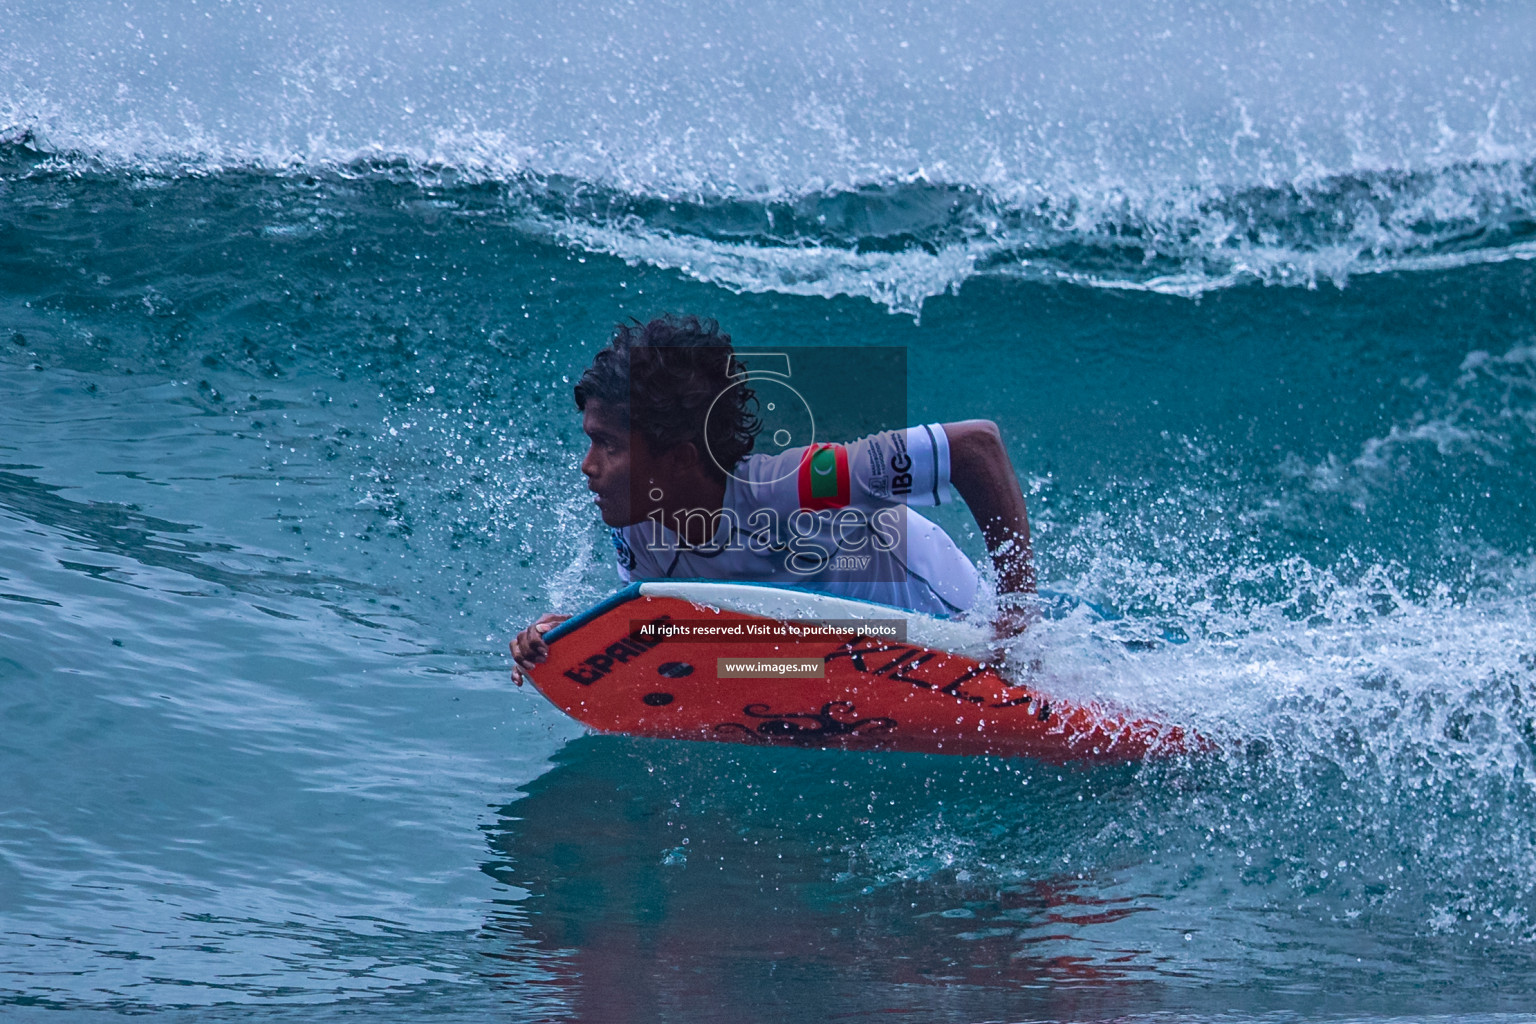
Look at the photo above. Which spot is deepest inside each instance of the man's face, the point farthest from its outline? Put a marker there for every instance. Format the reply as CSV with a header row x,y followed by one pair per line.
x,y
619,466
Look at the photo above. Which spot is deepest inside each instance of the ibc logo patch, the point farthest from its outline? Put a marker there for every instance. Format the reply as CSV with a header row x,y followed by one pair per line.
x,y
901,465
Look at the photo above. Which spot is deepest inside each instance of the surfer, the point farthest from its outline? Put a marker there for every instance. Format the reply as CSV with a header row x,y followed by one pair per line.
x,y
671,430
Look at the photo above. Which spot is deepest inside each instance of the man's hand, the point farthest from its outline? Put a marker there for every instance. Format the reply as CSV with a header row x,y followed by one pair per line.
x,y
529,648
1011,622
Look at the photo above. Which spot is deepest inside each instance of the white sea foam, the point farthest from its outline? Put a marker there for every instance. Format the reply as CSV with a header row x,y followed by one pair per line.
x,y
1178,148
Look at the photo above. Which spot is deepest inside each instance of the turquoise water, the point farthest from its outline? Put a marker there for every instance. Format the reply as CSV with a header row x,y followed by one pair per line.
x,y
289,312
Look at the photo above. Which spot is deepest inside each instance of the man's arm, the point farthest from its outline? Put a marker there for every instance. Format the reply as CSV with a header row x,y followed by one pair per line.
x,y
979,468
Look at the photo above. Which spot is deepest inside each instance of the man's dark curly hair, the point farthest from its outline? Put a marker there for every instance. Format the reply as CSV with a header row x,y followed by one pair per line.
x,y
661,377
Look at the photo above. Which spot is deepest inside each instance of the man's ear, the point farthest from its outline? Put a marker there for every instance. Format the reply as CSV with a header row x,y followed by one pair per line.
x,y
684,456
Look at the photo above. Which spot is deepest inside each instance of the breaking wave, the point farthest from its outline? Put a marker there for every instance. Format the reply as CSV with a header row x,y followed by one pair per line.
x,y
900,243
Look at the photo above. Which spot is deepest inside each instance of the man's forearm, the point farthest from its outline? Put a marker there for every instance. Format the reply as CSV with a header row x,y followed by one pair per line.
x,y
979,468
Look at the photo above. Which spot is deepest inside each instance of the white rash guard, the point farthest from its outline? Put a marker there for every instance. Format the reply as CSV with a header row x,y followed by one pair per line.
x,y
831,517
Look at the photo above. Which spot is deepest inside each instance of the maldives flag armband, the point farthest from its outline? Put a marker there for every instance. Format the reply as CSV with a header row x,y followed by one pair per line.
x,y
824,481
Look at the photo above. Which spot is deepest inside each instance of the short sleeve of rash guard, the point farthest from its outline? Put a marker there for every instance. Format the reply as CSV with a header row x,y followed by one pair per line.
x,y
632,559
895,467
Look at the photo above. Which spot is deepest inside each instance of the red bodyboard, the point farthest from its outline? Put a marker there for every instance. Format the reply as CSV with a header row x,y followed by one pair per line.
x,y
877,694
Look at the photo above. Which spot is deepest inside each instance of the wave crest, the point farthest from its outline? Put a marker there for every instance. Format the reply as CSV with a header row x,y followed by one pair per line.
x,y
901,242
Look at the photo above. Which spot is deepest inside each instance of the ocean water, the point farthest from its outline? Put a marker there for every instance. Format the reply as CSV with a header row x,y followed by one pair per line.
x,y
291,299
